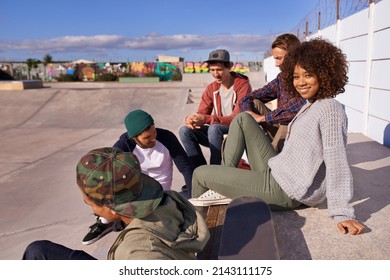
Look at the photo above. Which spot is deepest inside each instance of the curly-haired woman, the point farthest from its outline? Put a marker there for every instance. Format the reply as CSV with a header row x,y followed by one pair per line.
x,y
313,164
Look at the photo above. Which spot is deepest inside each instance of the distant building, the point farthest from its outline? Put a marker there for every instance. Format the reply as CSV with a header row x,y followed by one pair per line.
x,y
166,58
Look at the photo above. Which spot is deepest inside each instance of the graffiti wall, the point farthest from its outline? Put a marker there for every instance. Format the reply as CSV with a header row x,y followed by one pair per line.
x,y
195,67
199,67
166,71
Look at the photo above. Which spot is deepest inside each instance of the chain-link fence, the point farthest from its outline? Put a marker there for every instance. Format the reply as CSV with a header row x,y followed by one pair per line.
x,y
326,13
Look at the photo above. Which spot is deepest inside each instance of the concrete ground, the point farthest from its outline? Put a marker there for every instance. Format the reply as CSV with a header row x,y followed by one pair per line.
x,y
44,132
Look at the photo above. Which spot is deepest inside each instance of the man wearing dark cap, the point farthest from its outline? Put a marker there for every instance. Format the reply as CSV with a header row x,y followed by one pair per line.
x,y
219,104
159,224
157,149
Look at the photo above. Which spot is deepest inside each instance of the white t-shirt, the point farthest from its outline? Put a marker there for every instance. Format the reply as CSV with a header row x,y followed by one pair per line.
x,y
157,163
226,100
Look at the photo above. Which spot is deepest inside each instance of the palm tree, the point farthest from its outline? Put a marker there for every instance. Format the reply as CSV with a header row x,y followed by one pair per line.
x,y
47,59
31,63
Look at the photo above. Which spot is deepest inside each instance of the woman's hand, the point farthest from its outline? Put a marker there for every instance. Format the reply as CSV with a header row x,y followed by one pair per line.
x,y
350,226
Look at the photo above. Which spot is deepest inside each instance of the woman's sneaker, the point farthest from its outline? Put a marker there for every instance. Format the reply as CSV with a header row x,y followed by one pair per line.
x,y
210,198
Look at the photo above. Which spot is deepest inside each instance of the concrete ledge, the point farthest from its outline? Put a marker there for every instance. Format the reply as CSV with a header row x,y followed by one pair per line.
x,y
139,79
20,85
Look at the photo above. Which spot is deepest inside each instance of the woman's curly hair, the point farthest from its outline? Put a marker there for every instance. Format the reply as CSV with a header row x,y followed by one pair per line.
x,y
321,59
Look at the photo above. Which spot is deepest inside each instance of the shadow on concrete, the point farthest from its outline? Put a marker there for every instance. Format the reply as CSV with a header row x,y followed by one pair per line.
x,y
291,240
368,166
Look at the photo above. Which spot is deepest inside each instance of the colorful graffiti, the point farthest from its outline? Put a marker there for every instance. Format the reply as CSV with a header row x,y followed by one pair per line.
x,y
140,69
166,71
163,70
240,68
117,69
88,73
51,72
198,67
195,67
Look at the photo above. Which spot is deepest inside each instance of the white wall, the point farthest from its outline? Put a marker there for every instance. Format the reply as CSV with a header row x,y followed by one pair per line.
x,y
270,70
365,38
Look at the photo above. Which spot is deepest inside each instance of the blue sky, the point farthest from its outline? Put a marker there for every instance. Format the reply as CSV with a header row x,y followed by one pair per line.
x,y
129,30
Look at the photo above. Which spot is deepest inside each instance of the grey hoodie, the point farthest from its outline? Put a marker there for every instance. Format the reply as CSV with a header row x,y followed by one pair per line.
x,y
174,231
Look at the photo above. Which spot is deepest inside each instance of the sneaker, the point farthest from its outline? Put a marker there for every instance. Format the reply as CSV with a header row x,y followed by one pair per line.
x,y
210,198
98,230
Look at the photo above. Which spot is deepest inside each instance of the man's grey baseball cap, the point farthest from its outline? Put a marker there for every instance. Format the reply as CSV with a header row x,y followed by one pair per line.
x,y
219,56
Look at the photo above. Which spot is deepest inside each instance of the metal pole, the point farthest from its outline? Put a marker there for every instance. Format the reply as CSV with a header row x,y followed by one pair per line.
x,y
319,21
307,28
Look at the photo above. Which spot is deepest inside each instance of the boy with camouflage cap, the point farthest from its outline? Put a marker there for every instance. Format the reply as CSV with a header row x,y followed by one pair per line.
x,y
158,150
160,224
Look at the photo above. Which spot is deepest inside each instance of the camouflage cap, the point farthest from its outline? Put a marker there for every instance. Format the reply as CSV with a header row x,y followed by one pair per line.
x,y
108,176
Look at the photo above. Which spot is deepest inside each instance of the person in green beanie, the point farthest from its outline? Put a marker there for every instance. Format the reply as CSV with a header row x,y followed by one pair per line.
x,y
157,149
160,225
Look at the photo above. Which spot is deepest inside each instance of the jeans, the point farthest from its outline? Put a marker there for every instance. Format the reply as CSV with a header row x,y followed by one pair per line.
x,y
209,136
47,250
228,180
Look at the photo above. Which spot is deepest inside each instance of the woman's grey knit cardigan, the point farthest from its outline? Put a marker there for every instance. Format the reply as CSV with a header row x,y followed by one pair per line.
x,y
313,163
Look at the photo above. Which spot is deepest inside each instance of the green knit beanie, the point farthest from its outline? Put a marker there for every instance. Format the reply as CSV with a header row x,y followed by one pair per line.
x,y
137,121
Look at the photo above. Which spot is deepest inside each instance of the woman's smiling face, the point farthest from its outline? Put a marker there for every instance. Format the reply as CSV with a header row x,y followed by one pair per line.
x,y
306,84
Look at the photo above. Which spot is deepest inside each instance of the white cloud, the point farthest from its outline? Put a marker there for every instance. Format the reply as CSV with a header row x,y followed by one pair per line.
x,y
153,42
